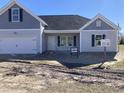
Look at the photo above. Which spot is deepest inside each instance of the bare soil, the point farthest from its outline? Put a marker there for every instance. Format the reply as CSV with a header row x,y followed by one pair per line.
x,y
42,78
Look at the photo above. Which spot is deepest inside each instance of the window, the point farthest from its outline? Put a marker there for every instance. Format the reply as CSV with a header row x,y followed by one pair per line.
x,y
66,41
98,39
62,41
98,23
70,41
15,14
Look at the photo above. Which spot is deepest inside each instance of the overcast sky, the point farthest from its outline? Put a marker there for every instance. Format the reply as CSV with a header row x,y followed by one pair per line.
x,y
112,9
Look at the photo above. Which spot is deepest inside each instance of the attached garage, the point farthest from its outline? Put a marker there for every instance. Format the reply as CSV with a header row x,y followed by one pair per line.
x,y
25,45
20,42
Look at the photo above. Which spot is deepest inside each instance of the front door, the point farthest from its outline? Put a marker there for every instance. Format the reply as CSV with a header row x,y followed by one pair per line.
x,y
51,43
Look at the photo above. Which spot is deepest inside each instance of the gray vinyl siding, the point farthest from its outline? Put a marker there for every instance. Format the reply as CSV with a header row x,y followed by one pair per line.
x,y
104,26
86,41
65,48
29,22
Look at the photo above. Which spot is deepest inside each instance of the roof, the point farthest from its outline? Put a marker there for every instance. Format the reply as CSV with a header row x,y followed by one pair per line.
x,y
64,22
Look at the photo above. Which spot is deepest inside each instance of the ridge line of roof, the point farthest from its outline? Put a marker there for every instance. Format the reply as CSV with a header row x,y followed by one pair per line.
x,y
64,15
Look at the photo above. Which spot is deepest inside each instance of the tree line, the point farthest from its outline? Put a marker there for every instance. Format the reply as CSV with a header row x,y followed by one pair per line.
x,y
121,39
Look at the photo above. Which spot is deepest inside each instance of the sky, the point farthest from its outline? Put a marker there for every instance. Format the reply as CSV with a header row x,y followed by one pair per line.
x,y
112,9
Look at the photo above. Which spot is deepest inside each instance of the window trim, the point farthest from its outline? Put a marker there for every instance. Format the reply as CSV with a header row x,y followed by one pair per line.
x,y
67,41
13,15
70,39
64,42
96,45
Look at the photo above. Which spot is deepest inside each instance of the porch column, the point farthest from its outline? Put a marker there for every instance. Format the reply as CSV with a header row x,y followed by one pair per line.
x,y
81,39
41,39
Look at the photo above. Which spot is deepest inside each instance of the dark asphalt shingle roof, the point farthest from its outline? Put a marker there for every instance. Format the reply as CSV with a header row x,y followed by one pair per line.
x,y
64,22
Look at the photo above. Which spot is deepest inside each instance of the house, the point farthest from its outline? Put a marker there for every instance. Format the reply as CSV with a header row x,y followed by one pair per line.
x,y
22,32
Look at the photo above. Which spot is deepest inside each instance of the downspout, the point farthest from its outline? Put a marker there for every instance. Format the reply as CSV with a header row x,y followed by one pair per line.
x,y
41,41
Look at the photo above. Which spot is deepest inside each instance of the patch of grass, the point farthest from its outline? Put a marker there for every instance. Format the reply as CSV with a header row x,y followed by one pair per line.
x,y
118,65
121,47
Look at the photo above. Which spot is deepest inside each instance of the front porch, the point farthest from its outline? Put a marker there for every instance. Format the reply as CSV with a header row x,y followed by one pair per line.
x,y
62,42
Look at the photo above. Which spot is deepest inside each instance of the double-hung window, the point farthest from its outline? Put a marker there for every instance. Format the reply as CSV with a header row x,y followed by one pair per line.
x,y
70,41
15,14
62,41
98,39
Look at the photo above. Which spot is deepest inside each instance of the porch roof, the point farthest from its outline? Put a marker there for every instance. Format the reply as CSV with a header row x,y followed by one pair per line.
x,y
61,31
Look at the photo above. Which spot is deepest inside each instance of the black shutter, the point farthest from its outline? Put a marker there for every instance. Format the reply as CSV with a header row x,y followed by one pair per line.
x,y
58,40
104,36
93,40
21,15
9,15
74,40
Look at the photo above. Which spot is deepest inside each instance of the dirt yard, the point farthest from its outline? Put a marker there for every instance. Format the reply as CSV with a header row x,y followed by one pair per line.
x,y
42,78
50,74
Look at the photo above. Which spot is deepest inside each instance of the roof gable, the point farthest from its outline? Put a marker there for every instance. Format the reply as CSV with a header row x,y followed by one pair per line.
x,y
93,26
13,2
104,20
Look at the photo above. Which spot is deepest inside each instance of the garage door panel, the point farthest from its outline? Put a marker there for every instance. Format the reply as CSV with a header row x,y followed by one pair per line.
x,y
23,45
6,46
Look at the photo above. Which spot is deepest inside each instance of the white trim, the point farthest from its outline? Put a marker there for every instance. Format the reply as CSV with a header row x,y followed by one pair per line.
x,y
97,30
5,7
67,40
103,19
61,31
13,15
19,29
10,4
41,39
101,38
80,42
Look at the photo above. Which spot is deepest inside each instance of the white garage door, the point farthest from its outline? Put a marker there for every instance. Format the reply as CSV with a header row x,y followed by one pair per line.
x,y
22,45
